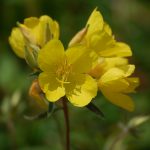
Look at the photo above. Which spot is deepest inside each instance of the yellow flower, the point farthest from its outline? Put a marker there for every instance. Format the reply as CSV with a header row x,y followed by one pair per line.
x,y
97,36
115,84
64,73
38,30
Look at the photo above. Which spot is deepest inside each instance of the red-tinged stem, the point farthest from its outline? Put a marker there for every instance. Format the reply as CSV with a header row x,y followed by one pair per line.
x,y
66,115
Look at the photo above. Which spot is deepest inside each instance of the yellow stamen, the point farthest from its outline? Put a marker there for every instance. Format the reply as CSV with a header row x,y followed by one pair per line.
x,y
63,71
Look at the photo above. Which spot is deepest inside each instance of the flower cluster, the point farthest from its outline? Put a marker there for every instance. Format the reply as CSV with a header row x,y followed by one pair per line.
x,y
93,61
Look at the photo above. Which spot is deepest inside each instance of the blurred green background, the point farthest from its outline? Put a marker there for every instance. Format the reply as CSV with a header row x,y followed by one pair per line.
x,y
130,22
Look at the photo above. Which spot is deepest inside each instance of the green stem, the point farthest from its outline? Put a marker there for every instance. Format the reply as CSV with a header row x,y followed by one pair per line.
x,y
66,115
121,136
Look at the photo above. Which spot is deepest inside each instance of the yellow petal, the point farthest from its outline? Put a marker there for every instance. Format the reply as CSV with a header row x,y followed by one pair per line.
x,y
119,99
127,69
56,30
81,90
16,41
31,22
107,29
53,25
53,29
117,73
111,74
115,62
119,85
100,41
43,31
81,59
51,87
133,83
118,49
95,22
38,28
50,55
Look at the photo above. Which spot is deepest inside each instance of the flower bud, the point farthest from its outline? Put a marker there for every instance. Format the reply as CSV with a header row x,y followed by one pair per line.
x,y
36,93
30,48
78,37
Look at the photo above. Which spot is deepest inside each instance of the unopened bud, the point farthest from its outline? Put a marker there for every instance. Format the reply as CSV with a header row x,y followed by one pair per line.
x,y
36,93
78,37
30,49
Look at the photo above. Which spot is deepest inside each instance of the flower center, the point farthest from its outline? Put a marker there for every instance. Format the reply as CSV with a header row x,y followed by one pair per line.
x,y
63,71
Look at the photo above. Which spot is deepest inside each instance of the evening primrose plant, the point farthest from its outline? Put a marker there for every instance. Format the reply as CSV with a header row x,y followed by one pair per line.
x,y
93,62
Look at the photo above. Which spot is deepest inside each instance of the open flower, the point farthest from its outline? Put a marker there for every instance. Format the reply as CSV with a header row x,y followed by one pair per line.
x,y
97,36
115,84
37,30
64,73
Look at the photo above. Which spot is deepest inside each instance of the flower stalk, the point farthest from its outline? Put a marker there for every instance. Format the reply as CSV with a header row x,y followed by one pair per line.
x,y
66,116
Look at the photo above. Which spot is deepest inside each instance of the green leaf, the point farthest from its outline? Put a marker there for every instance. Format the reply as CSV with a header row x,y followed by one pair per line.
x,y
44,115
92,107
136,121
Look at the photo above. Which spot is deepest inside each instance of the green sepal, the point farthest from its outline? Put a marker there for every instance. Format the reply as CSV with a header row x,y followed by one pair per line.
x,y
92,107
30,57
51,107
35,73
